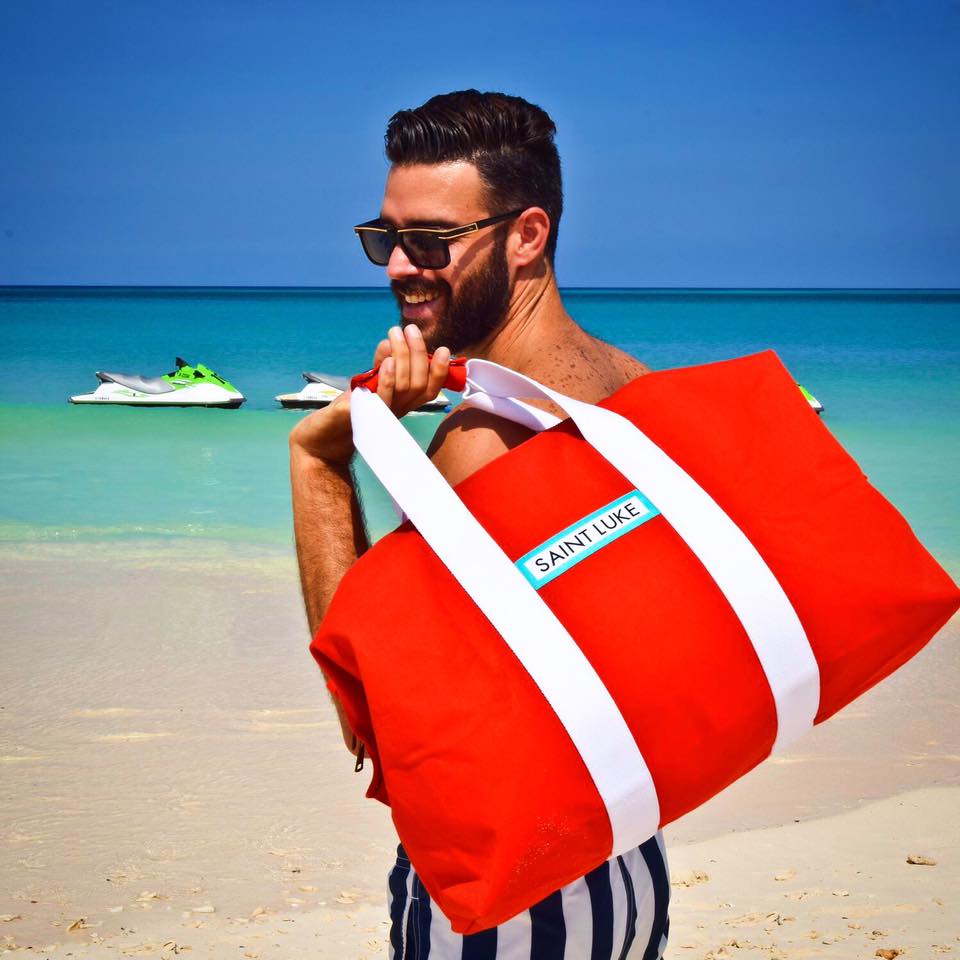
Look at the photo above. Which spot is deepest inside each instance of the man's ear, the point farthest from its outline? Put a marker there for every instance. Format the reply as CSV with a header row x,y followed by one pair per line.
x,y
528,238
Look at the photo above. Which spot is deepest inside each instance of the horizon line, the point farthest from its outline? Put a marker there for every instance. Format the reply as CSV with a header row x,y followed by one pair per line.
x,y
386,289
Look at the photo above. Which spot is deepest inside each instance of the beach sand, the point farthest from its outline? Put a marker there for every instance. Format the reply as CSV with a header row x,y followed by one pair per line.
x,y
173,783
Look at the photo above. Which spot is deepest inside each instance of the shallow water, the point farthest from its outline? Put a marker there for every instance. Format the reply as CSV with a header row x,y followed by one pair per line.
x,y
885,364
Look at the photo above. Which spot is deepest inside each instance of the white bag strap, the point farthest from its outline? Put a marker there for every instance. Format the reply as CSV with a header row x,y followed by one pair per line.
x,y
527,625
737,568
510,408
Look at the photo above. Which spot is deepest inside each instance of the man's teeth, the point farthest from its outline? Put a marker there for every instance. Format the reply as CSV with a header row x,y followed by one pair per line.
x,y
422,296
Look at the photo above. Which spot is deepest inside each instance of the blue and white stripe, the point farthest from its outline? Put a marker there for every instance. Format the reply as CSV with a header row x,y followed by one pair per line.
x,y
616,912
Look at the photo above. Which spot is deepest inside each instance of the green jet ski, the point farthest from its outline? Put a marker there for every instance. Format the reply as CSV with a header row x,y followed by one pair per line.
x,y
187,386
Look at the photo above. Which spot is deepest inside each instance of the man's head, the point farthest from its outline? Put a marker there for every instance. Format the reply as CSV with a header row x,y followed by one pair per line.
x,y
458,159
508,140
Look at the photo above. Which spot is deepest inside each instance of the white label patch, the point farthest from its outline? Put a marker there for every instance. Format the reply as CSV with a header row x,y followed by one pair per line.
x,y
585,537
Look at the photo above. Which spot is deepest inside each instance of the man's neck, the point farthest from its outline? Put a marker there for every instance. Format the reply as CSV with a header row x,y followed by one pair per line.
x,y
535,317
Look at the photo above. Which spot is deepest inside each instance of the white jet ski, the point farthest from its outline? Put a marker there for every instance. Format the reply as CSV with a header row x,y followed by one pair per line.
x,y
187,386
324,388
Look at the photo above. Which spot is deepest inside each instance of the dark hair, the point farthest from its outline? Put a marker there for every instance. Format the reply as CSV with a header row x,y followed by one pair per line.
x,y
509,140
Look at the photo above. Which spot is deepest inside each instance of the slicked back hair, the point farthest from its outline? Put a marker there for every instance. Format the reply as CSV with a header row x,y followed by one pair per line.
x,y
509,140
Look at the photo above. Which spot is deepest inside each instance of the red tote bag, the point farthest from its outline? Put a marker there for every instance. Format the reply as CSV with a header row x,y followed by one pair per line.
x,y
601,629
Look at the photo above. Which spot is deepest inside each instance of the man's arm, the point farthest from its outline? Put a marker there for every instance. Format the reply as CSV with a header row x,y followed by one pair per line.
x,y
327,526
326,515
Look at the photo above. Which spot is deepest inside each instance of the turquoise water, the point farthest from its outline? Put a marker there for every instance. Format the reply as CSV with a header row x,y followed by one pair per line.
x,y
886,364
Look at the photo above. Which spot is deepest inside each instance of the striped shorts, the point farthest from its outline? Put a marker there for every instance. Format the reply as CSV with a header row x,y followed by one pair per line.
x,y
615,912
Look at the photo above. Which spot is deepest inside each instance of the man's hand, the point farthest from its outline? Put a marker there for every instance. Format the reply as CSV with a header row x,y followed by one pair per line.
x,y
325,435
408,379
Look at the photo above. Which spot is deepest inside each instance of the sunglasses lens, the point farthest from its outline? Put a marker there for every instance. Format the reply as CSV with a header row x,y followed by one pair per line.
x,y
377,245
425,250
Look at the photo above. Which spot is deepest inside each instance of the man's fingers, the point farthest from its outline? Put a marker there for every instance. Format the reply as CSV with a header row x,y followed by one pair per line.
x,y
439,368
381,353
386,382
408,377
401,357
419,363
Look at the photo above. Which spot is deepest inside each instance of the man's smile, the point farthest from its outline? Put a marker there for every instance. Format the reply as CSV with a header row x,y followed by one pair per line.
x,y
420,296
419,303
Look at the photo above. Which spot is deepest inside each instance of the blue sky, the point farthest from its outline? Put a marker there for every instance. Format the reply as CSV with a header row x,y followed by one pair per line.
x,y
704,144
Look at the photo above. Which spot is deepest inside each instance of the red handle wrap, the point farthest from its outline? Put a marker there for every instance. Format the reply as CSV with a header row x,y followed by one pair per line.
x,y
456,378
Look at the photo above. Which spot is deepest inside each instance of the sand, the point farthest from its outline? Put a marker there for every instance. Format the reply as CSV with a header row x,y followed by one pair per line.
x,y
173,784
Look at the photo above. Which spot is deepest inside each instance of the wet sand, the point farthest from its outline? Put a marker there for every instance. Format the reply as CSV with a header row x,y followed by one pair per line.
x,y
173,783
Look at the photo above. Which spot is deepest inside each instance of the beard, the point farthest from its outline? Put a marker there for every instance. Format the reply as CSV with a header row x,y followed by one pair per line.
x,y
476,310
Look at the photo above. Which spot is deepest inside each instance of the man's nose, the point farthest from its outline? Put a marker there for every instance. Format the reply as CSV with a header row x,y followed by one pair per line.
x,y
399,265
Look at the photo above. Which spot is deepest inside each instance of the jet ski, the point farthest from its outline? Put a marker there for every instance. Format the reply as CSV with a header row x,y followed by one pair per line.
x,y
811,399
324,388
187,386
321,389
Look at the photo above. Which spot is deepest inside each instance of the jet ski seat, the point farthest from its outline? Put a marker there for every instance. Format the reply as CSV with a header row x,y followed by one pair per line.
x,y
340,383
134,381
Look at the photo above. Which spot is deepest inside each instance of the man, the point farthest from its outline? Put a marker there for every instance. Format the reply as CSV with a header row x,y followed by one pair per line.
x,y
467,232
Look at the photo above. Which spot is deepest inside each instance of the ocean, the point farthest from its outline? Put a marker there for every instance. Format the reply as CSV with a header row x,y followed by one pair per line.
x,y
885,364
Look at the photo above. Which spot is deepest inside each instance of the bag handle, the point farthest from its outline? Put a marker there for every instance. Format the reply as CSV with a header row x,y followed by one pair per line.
x,y
507,407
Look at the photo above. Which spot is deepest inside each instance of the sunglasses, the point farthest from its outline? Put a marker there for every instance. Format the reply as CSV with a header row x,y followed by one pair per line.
x,y
425,247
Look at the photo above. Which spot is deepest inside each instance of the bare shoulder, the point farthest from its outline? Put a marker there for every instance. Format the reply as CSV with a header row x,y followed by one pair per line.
x,y
626,365
587,368
581,367
468,439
